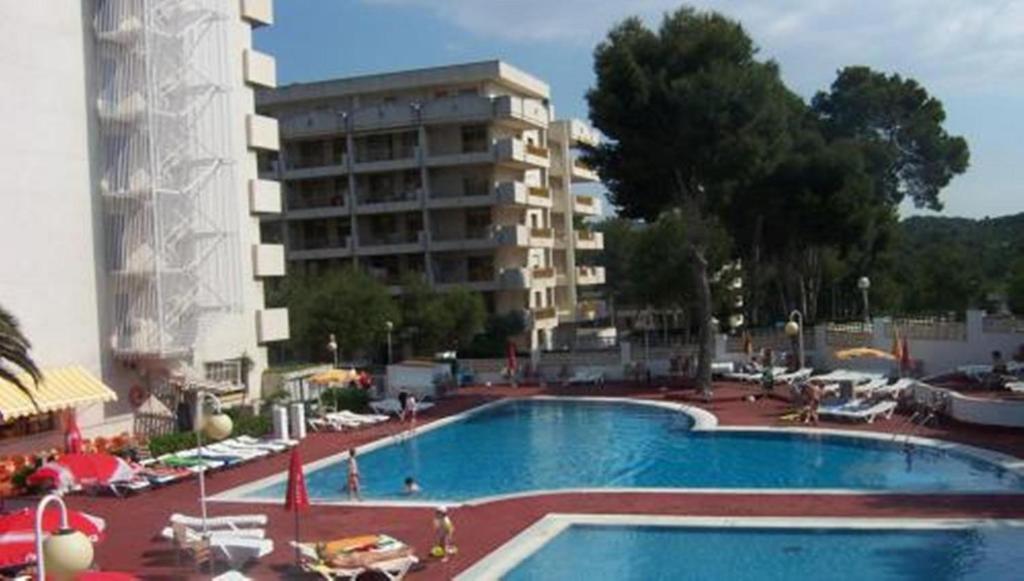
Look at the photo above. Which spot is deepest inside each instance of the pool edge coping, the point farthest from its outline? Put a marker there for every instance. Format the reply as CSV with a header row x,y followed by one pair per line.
x,y
704,421
510,554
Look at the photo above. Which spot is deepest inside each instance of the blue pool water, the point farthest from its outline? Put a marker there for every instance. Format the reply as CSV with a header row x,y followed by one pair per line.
x,y
543,444
625,553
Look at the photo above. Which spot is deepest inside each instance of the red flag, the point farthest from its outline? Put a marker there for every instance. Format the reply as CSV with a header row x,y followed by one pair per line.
x,y
72,435
297,497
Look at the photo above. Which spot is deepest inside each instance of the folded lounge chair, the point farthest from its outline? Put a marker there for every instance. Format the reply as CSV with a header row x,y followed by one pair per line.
x,y
860,410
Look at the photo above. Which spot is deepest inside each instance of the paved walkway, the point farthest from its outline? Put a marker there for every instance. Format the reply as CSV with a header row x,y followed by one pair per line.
x,y
134,522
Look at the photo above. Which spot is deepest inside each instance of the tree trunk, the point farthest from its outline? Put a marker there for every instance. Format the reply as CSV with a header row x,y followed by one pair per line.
x,y
705,337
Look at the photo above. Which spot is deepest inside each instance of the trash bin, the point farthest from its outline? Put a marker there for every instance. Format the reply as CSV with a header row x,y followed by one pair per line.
x,y
280,416
298,421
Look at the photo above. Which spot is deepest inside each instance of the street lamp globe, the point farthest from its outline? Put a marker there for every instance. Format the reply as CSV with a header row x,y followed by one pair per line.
x,y
864,283
792,329
389,326
218,426
66,553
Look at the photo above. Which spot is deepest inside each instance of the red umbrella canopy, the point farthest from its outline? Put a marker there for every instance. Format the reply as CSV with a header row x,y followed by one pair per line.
x,y
17,532
105,576
72,435
297,497
93,468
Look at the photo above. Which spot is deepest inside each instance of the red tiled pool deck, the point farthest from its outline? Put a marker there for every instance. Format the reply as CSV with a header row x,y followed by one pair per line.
x,y
133,523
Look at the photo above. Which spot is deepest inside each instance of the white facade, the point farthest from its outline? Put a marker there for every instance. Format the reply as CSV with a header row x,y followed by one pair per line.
x,y
131,243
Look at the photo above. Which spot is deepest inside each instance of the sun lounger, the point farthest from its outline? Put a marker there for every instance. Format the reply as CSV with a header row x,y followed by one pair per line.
x,y
392,407
754,377
587,377
239,550
388,556
860,410
367,419
162,474
192,463
248,452
795,376
271,443
197,533
234,522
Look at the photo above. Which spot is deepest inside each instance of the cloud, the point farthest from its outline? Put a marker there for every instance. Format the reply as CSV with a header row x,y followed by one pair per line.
x,y
950,45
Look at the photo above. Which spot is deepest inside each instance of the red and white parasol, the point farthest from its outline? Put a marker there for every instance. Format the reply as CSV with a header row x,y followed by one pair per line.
x,y
17,533
92,468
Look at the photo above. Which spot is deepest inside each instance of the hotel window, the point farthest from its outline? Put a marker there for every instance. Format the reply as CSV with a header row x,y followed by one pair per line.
x,y
478,223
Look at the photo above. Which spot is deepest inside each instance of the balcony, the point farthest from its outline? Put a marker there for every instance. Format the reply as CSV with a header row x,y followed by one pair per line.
x,y
542,237
586,206
521,155
589,240
258,12
582,134
389,202
272,325
312,123
581,172
544,317
590,275
394,243
385,160
261,133
520,194
320,250
325,205
259,69
314,168
264,197
589,310
268,260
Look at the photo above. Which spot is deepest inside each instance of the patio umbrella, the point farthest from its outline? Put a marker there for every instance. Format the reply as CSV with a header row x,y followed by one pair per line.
x,y
296,497
72,435
17,532
863,353
335,376
91,468
748,344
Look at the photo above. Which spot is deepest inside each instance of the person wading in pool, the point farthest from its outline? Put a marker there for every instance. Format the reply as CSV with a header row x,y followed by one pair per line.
x,y
353,476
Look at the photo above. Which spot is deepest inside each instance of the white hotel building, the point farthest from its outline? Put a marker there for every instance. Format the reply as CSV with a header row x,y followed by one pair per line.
x,y
130,246
458,172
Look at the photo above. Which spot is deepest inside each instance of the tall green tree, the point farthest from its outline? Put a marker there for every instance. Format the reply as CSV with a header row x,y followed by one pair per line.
x,y
349,303
434,321
14,354
899,126
692,117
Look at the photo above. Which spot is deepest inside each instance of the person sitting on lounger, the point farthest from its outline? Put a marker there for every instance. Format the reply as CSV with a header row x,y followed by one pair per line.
x,y
411,488
353,476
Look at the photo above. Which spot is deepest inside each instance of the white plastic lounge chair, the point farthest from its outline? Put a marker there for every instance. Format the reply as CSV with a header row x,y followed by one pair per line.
x,y
250,451
754,377
271,443
394,569
197,533
235,521
794,377
587,377
232,576
363,418
860,410
392,407
246,454
238,550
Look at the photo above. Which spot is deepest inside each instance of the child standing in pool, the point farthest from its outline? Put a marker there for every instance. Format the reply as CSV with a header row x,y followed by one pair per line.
x,y
353,476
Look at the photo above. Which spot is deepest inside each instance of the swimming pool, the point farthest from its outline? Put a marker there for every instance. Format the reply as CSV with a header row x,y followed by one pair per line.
x,y
539,444
837,550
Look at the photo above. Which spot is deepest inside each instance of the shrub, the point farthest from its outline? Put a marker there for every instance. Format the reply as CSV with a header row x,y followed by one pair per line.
x,y
246,423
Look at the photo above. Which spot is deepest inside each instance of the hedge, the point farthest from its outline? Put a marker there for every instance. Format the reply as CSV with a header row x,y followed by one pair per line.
x,y
246,423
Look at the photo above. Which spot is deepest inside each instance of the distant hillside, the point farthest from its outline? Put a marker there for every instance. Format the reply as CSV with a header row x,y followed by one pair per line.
x,y
950,263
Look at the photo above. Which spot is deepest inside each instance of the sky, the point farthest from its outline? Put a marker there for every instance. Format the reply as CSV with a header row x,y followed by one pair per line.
x,y
968,53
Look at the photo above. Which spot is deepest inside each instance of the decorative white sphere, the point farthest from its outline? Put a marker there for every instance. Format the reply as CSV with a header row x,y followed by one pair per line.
x,y
792,328
218,426
66,553
864,283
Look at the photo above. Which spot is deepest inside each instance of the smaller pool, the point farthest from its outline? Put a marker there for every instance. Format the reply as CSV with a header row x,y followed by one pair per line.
x,y
623,552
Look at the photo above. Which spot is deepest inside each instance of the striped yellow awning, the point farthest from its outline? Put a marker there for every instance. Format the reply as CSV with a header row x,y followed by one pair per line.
x,y
60,388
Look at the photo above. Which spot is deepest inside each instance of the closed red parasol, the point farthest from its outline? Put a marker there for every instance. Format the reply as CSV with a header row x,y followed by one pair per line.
x,y
297,496
72,435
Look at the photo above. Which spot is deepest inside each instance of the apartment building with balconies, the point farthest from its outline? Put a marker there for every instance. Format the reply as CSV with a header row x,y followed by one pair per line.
x,y
456,172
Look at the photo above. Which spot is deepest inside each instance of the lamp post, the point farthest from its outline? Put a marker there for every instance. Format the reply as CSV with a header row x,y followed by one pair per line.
x,y
332,346
390,327
67,551
217,427
795,329
864,284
